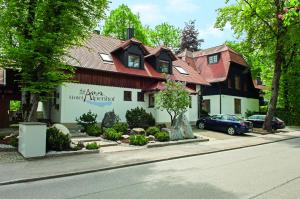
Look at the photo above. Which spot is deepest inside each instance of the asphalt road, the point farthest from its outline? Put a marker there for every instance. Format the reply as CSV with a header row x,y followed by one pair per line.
x,y
266,171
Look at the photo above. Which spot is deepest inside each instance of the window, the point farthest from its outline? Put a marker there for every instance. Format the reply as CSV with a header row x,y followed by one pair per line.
x,y
213,59
190,105
140,97
229,82
151,100
237,83
181,70
134,61
237,106
164,66
105,57
206,105
127,95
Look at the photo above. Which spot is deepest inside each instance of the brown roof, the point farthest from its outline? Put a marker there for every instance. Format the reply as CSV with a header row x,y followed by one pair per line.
x,y
87,56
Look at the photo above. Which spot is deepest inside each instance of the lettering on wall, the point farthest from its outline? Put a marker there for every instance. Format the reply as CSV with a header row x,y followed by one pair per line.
x,y
93,97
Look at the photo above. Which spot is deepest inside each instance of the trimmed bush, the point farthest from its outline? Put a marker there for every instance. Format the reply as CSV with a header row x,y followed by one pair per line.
x,y
139,118
86,120
93,130
112,134
152,130
138,140
56,140
92,146
162,136
121,127
161,126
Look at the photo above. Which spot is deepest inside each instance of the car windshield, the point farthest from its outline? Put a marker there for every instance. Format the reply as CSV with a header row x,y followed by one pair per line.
x,y
232,118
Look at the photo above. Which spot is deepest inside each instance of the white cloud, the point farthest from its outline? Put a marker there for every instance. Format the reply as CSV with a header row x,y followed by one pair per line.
x,y
182,5
150,14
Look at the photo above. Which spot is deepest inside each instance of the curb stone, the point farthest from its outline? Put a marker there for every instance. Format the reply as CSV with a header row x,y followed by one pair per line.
x,y
17,181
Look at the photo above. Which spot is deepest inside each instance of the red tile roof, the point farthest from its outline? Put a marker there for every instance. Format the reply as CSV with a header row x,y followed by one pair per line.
x,y
219,71
158,86
259,86
87,56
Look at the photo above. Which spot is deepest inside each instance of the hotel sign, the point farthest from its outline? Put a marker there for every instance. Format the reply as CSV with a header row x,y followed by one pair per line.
x,y
93,97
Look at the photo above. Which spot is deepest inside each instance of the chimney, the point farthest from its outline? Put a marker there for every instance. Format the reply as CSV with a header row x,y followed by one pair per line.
x,y
130,33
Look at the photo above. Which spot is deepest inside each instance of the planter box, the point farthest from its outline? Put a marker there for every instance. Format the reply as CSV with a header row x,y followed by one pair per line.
x,y
32,139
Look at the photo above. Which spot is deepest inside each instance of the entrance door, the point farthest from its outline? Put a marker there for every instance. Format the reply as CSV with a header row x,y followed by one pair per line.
x,y
4,108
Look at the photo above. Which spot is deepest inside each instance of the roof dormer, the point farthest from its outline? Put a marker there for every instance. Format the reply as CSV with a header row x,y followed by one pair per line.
x,y
161,59
131,52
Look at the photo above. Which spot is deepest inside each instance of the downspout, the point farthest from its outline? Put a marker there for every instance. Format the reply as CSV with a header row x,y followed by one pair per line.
x,y
220,98
200,99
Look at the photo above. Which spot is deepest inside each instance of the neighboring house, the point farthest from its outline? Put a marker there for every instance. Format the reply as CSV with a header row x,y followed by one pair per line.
x,y
120,75
232,89
8,91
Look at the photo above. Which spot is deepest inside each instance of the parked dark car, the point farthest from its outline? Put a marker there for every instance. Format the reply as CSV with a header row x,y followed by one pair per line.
x,y
230,124
258,121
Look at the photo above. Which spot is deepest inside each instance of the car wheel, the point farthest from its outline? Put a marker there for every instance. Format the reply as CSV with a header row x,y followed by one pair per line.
x,y
231,131
201,125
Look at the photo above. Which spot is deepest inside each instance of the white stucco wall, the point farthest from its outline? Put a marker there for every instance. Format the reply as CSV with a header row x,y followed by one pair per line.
x,y
228,104
214,103
72,104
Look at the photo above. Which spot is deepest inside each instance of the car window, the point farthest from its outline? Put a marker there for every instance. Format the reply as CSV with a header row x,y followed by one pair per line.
x,y
252,117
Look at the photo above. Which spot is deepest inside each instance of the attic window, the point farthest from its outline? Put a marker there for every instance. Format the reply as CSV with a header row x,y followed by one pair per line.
x,y
181,70
105,57
164,66
213,59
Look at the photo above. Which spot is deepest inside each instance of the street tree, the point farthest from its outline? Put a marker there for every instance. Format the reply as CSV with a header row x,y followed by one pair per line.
x,y
119,20
174,99
165,35
189,37
35,37
262,25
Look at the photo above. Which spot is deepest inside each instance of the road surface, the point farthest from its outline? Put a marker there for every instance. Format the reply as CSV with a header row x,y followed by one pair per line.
x,y
266,171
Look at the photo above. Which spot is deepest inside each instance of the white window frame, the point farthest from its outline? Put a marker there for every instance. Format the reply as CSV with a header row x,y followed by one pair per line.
x,y
181,70
134,63
106,57
164,62
213,59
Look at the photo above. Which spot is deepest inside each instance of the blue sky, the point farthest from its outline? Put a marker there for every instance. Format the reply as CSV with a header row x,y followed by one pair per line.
x,y
176,12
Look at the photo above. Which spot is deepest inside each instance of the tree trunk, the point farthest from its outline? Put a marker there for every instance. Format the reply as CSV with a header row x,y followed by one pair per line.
x,y
279,60
275,86
29,107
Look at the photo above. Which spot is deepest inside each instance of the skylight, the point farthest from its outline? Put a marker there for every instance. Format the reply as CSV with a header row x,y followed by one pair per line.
x,y
105,57
181,70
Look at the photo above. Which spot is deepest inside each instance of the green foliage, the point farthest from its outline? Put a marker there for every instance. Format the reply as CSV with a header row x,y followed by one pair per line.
x,y
37,36
86,120
93,130
248,113
152,130
138,140
56,140
162,136
189,37
78,147
121,127
270,43
119,20
138,117
112,134
14,141
174,99
15,105
165,35
92,146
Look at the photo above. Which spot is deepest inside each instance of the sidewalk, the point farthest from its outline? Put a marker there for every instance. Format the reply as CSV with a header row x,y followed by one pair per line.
x,y
73,165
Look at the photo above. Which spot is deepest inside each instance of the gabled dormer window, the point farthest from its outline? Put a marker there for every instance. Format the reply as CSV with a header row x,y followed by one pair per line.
x,y
134,61
164,66
213,59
